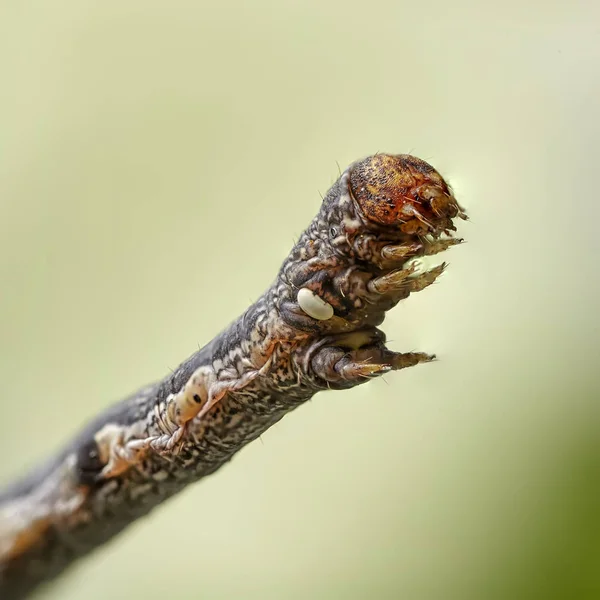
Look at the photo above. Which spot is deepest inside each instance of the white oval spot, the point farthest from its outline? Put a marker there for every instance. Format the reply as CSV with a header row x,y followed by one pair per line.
x,y
314,306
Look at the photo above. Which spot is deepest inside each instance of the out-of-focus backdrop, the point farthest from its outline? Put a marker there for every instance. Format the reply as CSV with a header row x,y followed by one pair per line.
x,y
158,160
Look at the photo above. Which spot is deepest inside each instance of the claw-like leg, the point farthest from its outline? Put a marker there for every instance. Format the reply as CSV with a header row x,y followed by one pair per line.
x,y
440,245
341,368
390,282
401,360
392,255
404,280
420,282
351,370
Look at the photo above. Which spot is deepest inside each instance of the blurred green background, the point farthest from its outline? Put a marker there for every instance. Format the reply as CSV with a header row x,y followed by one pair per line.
x,y
158,160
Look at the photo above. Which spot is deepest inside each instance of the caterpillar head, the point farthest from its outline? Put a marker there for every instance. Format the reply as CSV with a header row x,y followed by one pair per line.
x,y
403,192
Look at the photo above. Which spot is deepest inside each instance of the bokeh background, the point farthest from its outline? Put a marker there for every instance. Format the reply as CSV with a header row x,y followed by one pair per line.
x,y
158,160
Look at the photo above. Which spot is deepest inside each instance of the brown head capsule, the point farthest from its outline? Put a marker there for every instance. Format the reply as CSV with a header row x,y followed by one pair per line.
x,y
404,192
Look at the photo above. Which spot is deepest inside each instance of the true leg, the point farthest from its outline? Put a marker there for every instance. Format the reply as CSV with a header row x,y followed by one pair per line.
x,y
342,368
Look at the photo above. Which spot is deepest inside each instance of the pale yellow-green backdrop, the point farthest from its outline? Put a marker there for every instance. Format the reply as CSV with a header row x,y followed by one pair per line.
x,y
157,159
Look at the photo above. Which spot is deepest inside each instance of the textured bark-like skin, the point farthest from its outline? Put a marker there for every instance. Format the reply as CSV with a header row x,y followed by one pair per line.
x,y
382,212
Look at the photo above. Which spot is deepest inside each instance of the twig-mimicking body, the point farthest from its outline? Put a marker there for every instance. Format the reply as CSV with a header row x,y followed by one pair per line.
x,y
315,328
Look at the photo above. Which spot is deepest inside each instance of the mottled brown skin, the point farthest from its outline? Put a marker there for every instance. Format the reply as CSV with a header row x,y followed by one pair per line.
x,y
382,212
403,191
